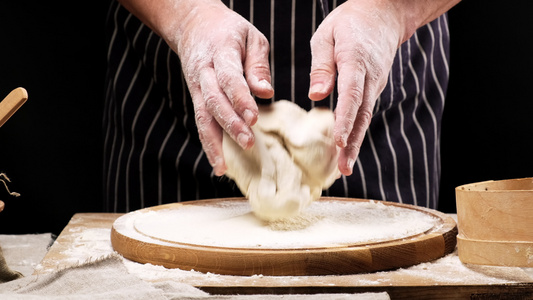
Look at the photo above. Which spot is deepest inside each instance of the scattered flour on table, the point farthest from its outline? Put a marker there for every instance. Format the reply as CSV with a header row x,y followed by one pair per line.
x,y
448,268
89,244
85,245
153,273
324,223
93,243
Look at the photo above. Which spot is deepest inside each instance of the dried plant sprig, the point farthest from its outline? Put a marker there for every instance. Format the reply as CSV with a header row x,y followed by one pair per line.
x,y
4,179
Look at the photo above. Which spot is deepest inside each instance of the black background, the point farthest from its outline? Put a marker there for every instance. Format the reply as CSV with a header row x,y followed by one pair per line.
x,y
51,148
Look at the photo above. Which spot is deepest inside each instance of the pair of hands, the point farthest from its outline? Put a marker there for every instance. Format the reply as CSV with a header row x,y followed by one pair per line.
x,y
217,46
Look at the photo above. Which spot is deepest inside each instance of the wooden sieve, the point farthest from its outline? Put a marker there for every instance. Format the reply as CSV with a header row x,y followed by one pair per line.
x,y
495,222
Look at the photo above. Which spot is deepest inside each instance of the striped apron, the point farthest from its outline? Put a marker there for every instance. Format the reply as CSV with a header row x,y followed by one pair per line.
x,y
152,153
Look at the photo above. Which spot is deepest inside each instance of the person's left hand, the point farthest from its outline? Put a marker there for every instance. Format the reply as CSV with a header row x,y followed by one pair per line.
x,y
359,41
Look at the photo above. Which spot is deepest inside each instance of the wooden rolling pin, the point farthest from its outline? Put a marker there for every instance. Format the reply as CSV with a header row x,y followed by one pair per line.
x,y
12,103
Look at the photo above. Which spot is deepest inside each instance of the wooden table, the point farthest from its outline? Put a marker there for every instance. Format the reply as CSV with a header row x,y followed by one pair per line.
x,y
87,237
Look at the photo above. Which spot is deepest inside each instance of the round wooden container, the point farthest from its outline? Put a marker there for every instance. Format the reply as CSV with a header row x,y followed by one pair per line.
x,y
134,244
495,220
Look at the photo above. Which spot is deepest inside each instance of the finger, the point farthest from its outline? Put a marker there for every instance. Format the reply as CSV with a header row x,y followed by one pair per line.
x,y
363,117
219,106
351,83
323,69
210,134
229,75
348,154
256,66
346,161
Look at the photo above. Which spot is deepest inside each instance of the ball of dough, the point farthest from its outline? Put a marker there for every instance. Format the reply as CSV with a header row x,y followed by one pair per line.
x,y
293,159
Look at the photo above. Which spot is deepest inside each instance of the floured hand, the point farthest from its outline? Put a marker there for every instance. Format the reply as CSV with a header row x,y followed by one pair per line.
x,y
293,159
224,60
357,41
355,47
216,47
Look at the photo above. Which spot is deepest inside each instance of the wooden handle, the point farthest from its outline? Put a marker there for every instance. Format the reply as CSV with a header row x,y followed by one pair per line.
x,y
12,103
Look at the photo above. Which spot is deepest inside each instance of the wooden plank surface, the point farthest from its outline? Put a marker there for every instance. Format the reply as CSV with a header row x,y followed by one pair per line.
x,y
446,278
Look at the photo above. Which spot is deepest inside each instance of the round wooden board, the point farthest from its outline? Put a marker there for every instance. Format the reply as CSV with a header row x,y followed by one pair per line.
x,y
336,260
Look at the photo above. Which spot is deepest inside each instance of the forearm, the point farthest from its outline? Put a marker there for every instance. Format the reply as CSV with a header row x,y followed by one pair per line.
x,y
417,13
167,18
404,15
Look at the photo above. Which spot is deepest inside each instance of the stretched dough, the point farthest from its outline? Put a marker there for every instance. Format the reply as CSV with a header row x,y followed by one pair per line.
x,y
293,159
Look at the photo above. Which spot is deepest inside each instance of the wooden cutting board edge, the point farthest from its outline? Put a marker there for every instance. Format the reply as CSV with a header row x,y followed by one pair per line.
x,y
435,243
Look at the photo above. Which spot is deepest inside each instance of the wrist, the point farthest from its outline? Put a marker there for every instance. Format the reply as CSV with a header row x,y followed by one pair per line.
x,y
179,19
407,15
414,14
168,18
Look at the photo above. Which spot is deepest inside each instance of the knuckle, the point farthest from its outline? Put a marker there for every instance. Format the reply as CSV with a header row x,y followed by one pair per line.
x,y
353,149
224,76
321,40
203,120
262,42
344,55
232,126
365,117
239,101
260,70
351,114
355,94
322,70
211,102
378,75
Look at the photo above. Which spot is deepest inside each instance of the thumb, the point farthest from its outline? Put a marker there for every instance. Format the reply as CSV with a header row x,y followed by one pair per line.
x,y
323,69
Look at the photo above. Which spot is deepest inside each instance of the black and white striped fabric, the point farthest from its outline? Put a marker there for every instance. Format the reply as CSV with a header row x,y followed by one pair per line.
x,y
152,154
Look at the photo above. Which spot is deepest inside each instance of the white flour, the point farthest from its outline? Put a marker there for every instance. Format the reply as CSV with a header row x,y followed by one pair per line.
x,y
94,243
447,270
324,223
89,244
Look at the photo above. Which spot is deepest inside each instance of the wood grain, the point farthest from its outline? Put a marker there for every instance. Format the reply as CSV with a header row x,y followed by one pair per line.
x,y
425,284
11,103
495,222
351,259
495,253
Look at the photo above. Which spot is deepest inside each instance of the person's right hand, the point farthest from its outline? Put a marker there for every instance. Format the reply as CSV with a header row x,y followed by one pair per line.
x,y
357,41
224,59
